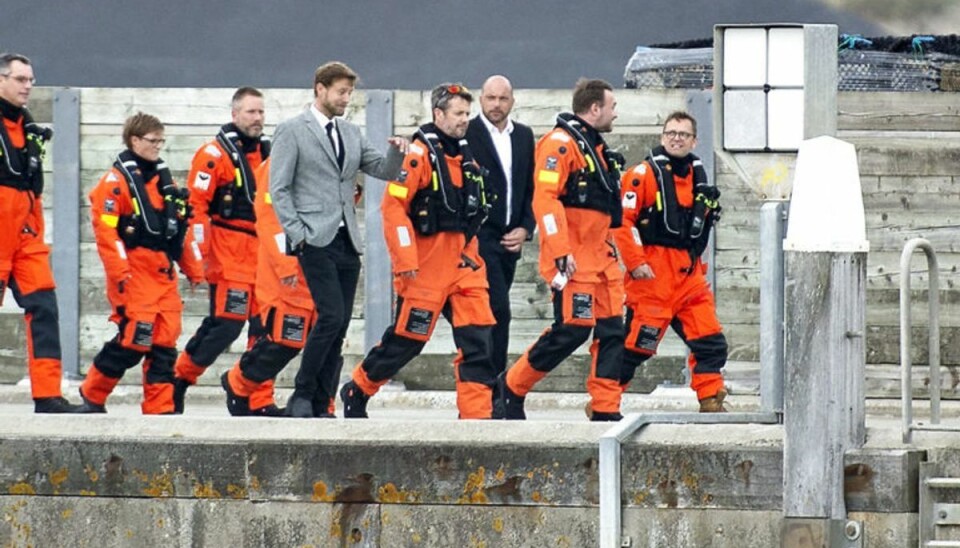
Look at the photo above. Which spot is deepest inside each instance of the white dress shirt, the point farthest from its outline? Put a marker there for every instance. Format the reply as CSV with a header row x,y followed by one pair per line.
x,y
501,142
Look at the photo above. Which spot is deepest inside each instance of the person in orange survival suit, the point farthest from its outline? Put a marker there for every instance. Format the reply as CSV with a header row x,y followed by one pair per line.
x,y
140,225
287,311
24,257
431,214
222,191
669,209
576,201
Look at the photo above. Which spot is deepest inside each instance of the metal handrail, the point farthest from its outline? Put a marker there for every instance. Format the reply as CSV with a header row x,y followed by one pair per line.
x,y
933,342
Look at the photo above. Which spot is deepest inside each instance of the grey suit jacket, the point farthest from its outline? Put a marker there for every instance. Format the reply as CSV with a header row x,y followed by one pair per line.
x,y
310,193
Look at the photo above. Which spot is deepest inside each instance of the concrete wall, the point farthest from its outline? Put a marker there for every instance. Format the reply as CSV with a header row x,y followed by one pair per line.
x,y
908,154
216,481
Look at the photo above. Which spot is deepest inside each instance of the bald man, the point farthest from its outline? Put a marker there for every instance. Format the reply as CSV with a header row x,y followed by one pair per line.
x,y
505,148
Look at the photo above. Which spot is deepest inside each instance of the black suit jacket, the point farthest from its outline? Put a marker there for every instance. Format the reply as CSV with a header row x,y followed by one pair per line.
x,y
521,210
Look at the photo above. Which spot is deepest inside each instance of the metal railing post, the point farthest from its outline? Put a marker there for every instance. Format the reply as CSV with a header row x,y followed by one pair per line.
x,y
933,341
773,228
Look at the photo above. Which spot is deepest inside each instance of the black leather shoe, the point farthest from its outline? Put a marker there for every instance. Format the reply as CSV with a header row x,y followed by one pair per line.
x,y
179,395
300,408
238,406
596,416
354,401
511,403
269,411
58,405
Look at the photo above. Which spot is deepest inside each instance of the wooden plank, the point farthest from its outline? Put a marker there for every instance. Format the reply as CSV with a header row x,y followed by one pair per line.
x,y
897,111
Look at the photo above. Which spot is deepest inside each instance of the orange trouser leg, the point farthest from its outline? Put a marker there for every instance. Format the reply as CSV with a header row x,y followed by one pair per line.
x,y
367,386
522,377
97,386
187,370
474,399
604,393
262,396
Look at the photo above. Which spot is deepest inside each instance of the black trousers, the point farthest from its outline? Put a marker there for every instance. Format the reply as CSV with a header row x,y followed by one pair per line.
x,y
332,273
501,268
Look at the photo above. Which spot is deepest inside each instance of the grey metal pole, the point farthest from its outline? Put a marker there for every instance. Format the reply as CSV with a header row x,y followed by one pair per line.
x,y
377,281
772,231
700,106
66,220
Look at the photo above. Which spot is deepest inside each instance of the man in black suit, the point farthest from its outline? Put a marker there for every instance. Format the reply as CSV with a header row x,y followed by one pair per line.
x,y
505,148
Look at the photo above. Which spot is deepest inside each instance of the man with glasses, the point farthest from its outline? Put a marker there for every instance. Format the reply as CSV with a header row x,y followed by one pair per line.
x,y
576,200
223,189
24,257
431,214
669,208
315,161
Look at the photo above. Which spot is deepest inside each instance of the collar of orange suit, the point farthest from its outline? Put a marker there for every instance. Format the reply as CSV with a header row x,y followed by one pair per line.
x,y
679,166
451,146
148,169
9,111
593,136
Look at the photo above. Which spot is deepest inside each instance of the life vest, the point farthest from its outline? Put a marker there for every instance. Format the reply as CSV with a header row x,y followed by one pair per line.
x,y
157,229
234,200
666,223
444,207
22,168
594,187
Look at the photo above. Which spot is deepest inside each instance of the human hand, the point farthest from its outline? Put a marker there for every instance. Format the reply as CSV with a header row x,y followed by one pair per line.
x,y
399,143
642,272
512,241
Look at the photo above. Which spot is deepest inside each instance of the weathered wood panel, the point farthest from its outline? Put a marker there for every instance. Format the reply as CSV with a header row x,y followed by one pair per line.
x,y
898,111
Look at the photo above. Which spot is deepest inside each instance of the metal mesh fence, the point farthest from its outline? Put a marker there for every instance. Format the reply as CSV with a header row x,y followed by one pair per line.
x,y
901,67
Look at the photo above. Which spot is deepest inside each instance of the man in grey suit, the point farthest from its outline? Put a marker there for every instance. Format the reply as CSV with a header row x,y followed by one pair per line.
x,y
315,160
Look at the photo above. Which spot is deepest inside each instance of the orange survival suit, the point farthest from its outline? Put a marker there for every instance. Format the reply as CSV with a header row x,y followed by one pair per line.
x,y
287,313
576,202
223,187
668,211
431,214
140,225
24,257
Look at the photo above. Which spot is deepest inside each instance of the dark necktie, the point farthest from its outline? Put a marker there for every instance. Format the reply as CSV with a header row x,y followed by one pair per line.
x,y
333,142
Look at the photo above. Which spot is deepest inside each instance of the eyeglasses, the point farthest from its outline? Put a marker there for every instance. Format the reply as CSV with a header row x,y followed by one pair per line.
x,y
154,142
681,134
22,80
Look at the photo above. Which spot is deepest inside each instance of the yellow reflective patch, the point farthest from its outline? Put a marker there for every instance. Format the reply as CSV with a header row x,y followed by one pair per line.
x,y
551,177
267,198
110,220
397,191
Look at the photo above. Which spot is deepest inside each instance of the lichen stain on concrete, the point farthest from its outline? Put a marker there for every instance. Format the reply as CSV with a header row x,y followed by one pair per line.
x,y
335,530
254,483
640,498
389,493
416,538
477,542
237,492
160,485
563,542
206,491
21,488
498,524
57,477
320,493
91,473
21,531
87,493
744,468
473,489
535,496
66,513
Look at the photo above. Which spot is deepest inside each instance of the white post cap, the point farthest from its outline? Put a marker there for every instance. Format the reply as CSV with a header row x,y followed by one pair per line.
x,y
826,206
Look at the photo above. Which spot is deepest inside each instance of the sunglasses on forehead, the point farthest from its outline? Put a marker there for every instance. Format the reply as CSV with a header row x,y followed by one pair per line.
x,y
455,89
